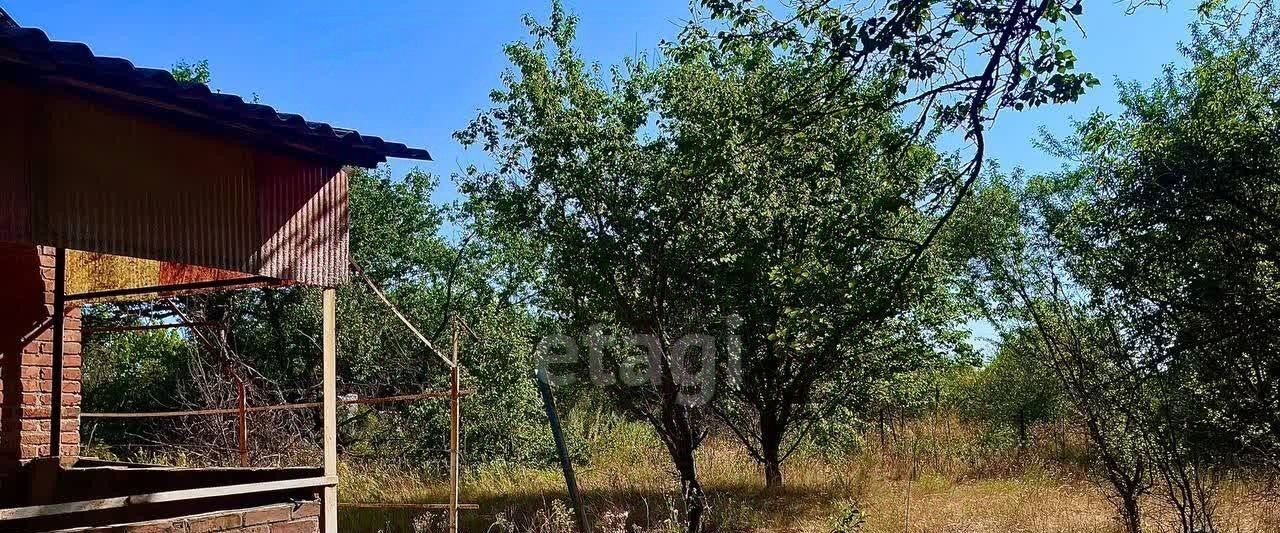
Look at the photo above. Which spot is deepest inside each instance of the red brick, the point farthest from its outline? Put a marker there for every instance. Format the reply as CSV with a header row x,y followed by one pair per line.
x,y
309,525
306,510
279,513
29,382
28,451
214,523
35,439
43,359
36,411
155,527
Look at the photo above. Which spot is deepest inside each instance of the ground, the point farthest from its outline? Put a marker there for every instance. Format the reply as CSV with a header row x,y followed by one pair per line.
x,y
940,486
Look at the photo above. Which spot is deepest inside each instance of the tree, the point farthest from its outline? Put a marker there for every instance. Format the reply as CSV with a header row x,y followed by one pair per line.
x,y
612,224
956,65
807,236
1178,221
660,214
1047,314
1017,387
197,72
1149,270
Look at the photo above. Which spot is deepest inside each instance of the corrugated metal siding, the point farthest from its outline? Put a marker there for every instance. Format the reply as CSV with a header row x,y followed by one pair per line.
x,y
124,185
15,192
302,220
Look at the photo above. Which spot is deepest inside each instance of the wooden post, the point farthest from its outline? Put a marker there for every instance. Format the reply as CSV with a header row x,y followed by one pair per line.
x,y
242,426
59,326
543,381
329,517
455,418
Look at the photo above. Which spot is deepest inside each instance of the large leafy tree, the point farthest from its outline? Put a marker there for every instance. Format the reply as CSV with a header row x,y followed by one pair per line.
x,y
956,66
610,217
809,227
1154,284
1050,319
1176,222
664,203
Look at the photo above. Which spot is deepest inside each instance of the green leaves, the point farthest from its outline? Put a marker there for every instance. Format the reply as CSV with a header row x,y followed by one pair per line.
x,y
197,72
673,196
1149,264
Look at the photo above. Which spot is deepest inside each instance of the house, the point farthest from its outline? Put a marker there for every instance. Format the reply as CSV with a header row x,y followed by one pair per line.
x,y
177,189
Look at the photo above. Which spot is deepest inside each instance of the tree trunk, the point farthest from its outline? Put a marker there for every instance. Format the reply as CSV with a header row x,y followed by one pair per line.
x,y
882,431
695,501
1131,515
1022,432
772,470
771,449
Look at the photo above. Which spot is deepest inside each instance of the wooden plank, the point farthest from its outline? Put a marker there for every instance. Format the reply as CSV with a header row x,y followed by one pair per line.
x,y
377,291
35,511
59,329
242,423
455,423
543,382
329,517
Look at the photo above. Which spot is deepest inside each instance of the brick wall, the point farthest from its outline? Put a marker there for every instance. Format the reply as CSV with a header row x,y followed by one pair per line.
x,y
280,518
26,359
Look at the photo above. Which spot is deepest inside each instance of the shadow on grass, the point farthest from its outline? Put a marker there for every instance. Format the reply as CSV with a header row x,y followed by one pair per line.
x,y
734,508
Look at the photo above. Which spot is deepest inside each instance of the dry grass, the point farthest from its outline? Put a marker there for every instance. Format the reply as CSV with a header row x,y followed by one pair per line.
x,y
933,478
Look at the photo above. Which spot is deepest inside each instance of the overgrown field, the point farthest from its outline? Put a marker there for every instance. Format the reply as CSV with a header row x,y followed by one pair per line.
x,y
935,475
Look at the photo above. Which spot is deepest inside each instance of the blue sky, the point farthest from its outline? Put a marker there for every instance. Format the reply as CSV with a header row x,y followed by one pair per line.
x,y
416,72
